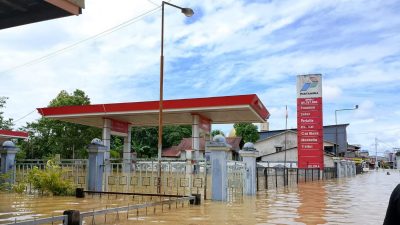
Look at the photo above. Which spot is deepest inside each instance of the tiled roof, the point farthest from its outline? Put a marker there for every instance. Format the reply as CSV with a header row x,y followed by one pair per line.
x,y
186,144
171,152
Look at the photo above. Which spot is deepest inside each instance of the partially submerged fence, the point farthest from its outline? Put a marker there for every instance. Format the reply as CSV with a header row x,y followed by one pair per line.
x,y
74,170
275,177
140,176
139,205
236,172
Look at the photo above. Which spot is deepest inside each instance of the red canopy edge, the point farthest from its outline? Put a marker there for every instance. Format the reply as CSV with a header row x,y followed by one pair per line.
x,y
222,101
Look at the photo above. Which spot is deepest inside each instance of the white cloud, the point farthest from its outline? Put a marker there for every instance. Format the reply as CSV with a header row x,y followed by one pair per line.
x,y
229,47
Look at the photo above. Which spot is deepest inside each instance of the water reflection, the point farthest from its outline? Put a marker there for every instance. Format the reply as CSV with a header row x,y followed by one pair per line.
x,y
312,197
359,200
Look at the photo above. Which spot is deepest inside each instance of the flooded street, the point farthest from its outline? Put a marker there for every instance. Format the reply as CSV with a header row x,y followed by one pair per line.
x,y
359,200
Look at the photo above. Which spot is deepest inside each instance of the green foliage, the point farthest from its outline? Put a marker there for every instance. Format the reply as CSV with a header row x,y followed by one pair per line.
x,y
216,132
114,154
173,134
247,131
19,188
5,185
50,180
145,139
49,137
21,154
116,147
5,124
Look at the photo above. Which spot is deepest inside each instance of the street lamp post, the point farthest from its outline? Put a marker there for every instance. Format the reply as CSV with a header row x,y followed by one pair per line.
x,y
336,133
187,12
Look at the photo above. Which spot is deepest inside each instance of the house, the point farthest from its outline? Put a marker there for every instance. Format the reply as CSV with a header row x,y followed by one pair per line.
x,y
280,146
336,134
184,149
352,151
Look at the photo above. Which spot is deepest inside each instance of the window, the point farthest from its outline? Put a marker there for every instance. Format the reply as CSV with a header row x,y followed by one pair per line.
x,y
278,149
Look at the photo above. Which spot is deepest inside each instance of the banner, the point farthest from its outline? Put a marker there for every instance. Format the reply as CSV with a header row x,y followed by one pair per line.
x,y
205,124
119,127
310,138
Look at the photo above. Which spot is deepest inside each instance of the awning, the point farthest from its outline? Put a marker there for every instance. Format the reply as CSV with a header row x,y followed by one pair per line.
x,y
19,12
220,110
9,134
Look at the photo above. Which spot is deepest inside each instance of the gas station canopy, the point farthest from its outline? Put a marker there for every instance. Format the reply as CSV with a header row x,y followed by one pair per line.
x,y
219,110
19,12
9,134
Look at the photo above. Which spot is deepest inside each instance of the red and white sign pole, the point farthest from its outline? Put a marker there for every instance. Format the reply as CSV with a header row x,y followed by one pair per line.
x,y
309,121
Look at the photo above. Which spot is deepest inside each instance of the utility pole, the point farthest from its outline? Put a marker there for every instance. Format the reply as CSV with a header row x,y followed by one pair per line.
x,y
376,153
284,165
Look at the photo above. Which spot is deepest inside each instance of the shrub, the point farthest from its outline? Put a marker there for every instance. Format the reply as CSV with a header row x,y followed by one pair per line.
x,y
50,180
4,182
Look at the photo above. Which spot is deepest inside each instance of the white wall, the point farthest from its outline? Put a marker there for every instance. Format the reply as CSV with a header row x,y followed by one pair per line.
x,y
267,146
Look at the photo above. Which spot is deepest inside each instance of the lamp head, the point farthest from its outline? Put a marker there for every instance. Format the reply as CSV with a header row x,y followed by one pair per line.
x,y
356,107
187,12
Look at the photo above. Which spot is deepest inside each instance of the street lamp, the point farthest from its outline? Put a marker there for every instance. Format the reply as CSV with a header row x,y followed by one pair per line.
x,y
336,133
187,12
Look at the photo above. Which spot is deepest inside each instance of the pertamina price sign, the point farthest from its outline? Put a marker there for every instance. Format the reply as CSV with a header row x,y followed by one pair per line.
x,y
309,121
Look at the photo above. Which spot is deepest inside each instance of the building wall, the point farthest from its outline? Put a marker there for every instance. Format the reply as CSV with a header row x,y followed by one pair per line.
x,y
266,147
291,156
329,135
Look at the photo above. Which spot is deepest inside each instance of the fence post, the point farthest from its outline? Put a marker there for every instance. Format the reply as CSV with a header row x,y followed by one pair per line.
x,y
287,176
249,155
312,174
96,152
219,168
8,151
257,179
266,177
297,175
305,175
73,217
276,177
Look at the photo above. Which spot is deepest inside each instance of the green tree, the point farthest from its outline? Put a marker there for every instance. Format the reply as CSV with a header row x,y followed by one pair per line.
x,y
248,132
49,137
173,134
216,132
145,139
5,124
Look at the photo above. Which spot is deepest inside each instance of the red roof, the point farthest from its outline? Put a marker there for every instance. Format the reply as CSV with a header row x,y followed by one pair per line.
x,y
225,109
171,152
8,134
186,144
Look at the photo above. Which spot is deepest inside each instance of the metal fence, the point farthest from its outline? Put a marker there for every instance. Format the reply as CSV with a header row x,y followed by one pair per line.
x,y
73,170
48,220
236,172
138,207
139,176
134,206
275,177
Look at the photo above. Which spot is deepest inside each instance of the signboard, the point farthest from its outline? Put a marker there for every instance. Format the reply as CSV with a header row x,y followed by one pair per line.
x,y
310,136
119,127
205,124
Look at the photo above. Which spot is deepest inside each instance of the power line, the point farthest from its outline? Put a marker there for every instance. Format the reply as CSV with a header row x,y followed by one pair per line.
x,y
14,121
96,36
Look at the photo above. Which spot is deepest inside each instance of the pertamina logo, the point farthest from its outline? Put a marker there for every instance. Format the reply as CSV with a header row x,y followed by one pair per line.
x,y
313,82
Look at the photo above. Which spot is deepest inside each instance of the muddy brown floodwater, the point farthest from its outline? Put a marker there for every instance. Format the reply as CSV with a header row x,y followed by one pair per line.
x,y
359,200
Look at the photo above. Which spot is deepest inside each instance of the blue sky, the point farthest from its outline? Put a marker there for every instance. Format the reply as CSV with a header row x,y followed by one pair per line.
x,y
229,47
